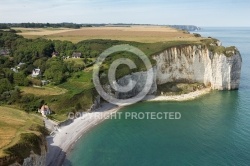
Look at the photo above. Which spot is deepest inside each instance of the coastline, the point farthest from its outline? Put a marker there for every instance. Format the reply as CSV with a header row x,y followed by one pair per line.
x,y
182,97
66,137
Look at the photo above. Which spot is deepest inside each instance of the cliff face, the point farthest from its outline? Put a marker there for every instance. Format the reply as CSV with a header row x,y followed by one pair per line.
x,y
198,64
35,160
194,63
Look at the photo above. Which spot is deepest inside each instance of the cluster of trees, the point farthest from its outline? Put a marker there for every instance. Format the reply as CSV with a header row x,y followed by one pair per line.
x,y
40,25
4,26
8,85
36,53
56,71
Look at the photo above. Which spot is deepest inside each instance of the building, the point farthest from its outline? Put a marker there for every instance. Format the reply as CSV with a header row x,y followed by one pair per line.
x,y
4,51
76,55
55,54
65,57
44,82
36,72
20,65
16,68
44,110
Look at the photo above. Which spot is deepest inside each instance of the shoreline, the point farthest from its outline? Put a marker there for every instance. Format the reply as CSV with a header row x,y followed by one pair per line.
x,y
67,136
182,97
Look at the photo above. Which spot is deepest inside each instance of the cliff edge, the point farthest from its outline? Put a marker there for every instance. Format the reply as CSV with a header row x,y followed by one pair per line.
x,y
208,63
197,63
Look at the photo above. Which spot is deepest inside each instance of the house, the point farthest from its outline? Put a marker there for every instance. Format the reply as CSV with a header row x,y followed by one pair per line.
x,y
55,54
4,52
44,82
16,68
20,65
65,57
76,55
36,72
44,110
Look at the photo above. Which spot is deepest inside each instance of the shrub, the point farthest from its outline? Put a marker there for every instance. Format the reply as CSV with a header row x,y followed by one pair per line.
x,y
197,35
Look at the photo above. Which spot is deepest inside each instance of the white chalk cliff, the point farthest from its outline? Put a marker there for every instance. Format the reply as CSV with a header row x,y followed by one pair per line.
x,y
198,64
189,64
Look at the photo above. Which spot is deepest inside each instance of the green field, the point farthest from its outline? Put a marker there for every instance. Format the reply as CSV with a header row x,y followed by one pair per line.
x,y
43,91
77,61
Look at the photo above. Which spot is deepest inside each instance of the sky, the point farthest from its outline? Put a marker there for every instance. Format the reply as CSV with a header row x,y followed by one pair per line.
x,y
163,12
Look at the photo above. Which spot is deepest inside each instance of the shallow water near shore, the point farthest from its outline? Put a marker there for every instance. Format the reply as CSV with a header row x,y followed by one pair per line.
x,y
213,130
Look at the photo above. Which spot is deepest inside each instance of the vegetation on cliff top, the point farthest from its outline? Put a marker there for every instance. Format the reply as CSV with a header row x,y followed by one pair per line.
x,y
17,129
214,45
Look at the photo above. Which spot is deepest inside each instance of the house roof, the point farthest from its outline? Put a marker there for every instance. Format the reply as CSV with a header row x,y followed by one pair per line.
x,y
20,64
77,54
44,107
55,53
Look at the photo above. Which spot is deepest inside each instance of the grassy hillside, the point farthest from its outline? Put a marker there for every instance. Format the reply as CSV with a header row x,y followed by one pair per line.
x,y
13,124
80,91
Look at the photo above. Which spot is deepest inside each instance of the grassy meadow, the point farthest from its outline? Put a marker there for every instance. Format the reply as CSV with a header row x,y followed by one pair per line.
x,y
43,91
79,91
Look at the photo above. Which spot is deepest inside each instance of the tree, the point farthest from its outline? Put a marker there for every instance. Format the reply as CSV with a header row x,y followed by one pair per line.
x,y
15,95
55,70
5,85
78,107
41,63
8,74
20,79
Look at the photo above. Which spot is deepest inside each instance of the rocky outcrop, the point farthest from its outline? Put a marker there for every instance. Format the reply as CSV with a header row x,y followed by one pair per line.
x,y
197,64
35,160
96,103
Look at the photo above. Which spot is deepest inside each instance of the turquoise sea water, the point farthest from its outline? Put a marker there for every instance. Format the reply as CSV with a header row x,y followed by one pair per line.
x,y
213,130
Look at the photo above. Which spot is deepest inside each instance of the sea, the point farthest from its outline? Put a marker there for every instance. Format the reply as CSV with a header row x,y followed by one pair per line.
x,y
214,130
